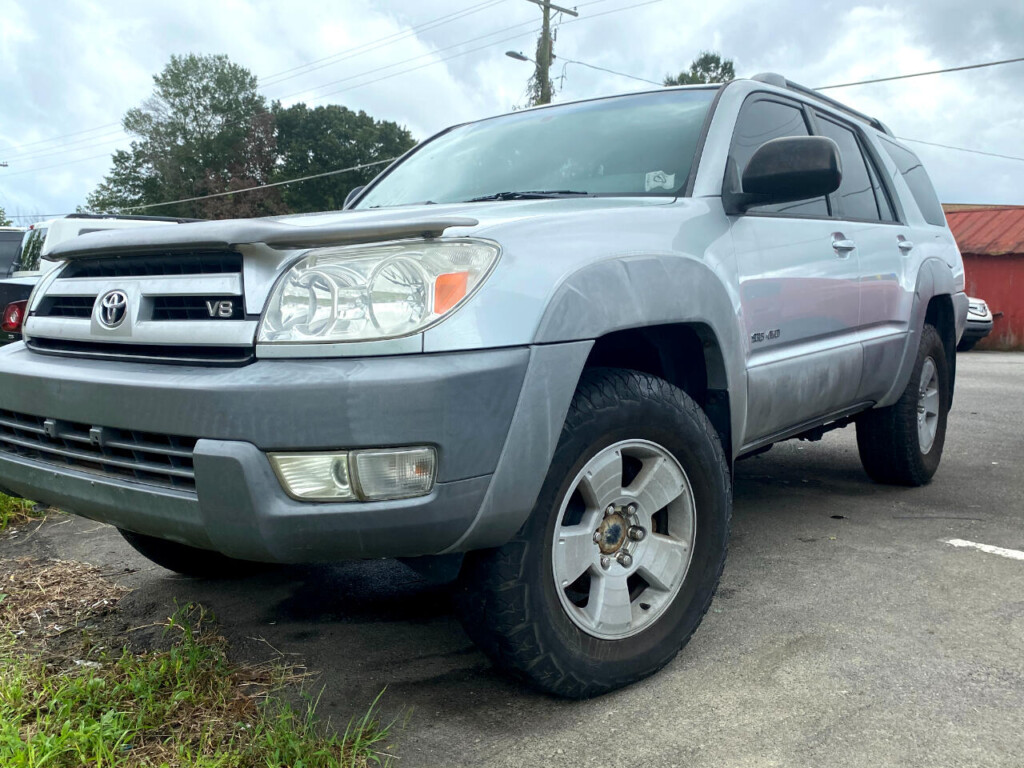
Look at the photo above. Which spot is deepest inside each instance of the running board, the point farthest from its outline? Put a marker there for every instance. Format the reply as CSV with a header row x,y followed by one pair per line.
x,y
809,430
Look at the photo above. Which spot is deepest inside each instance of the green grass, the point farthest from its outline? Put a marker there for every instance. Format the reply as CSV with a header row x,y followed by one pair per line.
x,y
14,511
187,705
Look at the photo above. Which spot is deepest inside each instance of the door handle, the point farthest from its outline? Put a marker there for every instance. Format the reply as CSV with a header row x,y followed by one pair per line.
x,y
842,245
905,245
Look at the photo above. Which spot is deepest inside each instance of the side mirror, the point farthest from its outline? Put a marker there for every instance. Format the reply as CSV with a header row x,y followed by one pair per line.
x,y
787,169
352,195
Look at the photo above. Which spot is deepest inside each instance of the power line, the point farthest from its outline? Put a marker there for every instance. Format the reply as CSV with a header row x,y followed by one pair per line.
x,y
471,50
472,9
57,165
260,186
88,143
350,53
961,149
922,74
373,45
66,135
430,54
427,55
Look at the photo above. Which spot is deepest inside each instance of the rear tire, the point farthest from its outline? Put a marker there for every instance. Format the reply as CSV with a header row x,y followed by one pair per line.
x,y
902,444
643,447
190,561
966,345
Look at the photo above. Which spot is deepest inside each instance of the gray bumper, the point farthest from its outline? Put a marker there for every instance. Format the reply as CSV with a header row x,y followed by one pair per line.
x,y
464,404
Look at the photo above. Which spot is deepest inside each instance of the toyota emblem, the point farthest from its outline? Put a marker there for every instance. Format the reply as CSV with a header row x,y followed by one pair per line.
x,y
113,308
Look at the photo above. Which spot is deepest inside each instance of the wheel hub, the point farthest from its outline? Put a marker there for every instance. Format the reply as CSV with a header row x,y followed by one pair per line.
x,y
623,541
611,534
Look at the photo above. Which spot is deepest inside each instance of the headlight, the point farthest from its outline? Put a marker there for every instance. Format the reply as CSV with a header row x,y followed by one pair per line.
x,y
371,292
978,308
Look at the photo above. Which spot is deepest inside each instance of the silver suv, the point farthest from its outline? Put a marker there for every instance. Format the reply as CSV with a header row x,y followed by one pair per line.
x,y
527,354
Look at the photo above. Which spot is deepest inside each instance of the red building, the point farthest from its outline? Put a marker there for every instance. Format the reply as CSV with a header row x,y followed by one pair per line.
x,y
991,239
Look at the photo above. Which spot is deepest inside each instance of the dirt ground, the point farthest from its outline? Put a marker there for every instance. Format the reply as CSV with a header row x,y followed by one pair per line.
x,y
847,630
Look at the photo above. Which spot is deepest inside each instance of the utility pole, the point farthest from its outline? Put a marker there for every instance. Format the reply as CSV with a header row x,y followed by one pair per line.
x,y
541,90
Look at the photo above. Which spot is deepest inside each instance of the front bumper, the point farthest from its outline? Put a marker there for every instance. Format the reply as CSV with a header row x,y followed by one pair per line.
x,y
463,404
976,329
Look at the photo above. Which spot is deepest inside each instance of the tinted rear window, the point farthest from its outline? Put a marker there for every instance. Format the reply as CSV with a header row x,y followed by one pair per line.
x,y
917,179
856,193
10,242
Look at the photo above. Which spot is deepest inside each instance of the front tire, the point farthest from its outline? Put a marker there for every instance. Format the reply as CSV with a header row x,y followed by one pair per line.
x,y
190,561
902,444
619,560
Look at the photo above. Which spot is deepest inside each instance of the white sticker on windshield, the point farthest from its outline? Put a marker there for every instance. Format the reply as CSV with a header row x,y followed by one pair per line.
x,y
659,180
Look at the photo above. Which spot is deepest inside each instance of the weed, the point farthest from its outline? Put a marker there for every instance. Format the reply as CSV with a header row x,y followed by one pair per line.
x,y
184,705
14,511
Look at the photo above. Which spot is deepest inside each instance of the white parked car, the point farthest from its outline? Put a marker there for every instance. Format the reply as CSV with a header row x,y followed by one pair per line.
x,y
978,326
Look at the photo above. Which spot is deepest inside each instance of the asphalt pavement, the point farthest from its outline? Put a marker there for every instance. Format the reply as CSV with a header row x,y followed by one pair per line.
x,y
846,631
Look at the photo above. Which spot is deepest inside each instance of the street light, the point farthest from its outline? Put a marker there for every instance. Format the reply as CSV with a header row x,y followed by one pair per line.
x,y
518,56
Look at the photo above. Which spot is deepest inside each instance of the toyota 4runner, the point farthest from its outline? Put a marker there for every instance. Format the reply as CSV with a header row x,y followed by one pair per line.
x,y
528,353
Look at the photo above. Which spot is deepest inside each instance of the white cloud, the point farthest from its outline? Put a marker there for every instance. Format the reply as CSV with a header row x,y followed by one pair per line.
x,y
79,64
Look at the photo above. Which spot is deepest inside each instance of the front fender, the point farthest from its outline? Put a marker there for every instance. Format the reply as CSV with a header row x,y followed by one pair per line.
x,y
645,290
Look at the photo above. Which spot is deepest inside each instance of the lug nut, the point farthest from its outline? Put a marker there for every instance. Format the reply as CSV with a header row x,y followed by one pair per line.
x,y
606,562
636,533
597,537
625,559
609,510
632,509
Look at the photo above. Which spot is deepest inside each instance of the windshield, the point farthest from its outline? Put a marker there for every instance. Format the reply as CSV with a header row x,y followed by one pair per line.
x,y
641,144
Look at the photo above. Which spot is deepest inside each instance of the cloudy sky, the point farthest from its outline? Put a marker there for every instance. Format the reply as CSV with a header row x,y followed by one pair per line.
x,y
69,69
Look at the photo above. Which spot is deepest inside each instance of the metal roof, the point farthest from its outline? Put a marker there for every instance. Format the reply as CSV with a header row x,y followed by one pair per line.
x,y
992,230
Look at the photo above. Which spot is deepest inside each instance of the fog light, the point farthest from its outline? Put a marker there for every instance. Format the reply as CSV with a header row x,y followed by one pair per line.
x,y
397,473
368,475
314,476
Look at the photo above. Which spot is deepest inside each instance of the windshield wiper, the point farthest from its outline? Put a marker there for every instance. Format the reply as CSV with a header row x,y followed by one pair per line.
x,y
532,194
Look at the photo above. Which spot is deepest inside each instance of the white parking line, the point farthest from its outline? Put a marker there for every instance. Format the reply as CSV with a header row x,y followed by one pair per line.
x,y
1013,554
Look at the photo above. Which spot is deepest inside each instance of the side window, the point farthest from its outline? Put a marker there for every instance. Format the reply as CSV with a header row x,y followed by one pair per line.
x,y
856,192
881,196
761,120
920,185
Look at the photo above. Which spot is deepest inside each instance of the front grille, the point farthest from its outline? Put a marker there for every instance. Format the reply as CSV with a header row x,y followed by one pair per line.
x,y
146,457
148,353
66,306
198,308
157,264
183,307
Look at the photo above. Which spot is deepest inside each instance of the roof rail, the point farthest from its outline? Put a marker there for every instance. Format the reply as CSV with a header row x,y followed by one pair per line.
x,y
773,78
130,217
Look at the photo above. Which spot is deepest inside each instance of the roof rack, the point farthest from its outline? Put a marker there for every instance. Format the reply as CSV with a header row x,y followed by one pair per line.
x,y
132,217
773,78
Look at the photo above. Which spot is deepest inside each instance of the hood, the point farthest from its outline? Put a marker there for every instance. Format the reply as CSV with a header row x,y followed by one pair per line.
x,y
340,227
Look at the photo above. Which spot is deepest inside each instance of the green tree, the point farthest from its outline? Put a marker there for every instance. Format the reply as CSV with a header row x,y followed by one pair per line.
x,y
195,135
709,67
4,221
321,139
